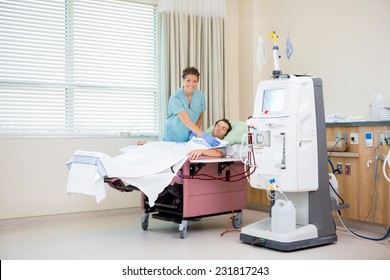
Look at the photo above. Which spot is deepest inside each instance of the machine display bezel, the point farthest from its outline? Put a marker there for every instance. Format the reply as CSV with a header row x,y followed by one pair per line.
x,y
273,100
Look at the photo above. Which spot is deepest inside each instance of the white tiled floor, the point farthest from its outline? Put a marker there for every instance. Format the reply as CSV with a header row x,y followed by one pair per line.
x,y
118,235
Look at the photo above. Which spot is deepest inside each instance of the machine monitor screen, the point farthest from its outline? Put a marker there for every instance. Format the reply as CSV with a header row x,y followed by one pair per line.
x,y
273,100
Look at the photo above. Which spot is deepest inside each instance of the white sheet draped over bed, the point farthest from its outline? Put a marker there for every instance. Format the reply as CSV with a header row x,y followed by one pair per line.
x,y
150,167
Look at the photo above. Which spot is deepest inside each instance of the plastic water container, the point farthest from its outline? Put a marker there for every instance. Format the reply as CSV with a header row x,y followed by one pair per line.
x,y
283,216
335,185
376,106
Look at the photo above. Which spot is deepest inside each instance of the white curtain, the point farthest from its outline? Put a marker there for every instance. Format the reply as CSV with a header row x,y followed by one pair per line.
x,y
205,8
192,33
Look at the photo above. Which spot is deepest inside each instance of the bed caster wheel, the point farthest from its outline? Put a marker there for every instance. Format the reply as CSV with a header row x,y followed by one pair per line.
x,y
145,221
183,233
183,229
237,220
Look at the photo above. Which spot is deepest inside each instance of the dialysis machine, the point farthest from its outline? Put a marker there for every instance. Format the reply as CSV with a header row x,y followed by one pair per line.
x,y
288,158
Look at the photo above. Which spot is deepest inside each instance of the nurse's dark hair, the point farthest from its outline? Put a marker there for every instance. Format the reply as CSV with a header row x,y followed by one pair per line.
x,y
225,121
190,71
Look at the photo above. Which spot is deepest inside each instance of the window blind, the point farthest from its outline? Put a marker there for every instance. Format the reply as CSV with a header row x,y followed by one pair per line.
x,y
78,67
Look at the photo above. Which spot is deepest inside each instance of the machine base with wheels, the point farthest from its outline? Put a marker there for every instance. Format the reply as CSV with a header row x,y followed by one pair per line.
x,y
260,234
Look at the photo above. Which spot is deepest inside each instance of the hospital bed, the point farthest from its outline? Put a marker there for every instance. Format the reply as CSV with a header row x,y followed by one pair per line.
x,y
202,188
173,187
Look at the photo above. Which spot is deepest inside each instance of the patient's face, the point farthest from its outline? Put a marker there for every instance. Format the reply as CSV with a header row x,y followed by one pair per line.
x,y
220,129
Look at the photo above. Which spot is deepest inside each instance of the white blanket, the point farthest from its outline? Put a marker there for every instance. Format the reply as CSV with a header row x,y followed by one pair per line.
x,y
150,167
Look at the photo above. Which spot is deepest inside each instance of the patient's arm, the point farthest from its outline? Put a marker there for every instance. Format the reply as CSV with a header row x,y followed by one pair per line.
x,y
195,154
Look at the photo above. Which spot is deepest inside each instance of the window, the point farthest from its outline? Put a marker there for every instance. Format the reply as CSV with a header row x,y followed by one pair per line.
x,y
78,67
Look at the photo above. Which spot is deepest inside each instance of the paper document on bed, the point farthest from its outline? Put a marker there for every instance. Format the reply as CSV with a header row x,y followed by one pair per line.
x,y
150,167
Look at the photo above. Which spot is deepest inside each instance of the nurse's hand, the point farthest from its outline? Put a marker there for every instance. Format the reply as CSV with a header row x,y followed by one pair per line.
x,y
191,135
211,140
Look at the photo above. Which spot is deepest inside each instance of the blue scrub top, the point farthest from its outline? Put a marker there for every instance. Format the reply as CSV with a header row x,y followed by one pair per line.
x,y
174,129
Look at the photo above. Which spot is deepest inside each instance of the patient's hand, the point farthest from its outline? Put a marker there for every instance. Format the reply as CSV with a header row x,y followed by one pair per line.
x,y
195,154
141,142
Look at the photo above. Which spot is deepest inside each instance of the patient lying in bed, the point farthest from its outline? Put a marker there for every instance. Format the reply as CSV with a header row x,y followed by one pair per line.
x,y
220,129
150,167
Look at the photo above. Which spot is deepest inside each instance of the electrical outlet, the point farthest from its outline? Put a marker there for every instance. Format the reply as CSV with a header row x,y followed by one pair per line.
x,y
354,139
339,168
387,140
345,137
381,139
348,169
337,137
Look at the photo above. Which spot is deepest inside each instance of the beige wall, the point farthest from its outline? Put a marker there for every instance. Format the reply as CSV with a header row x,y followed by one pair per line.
x,y
34,176
346,43
348,47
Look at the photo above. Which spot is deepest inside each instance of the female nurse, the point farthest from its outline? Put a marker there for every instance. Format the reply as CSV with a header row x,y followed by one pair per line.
x,y
185,111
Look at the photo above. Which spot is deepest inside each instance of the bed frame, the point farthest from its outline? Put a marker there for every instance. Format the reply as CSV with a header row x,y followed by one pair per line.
x,y
204,187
